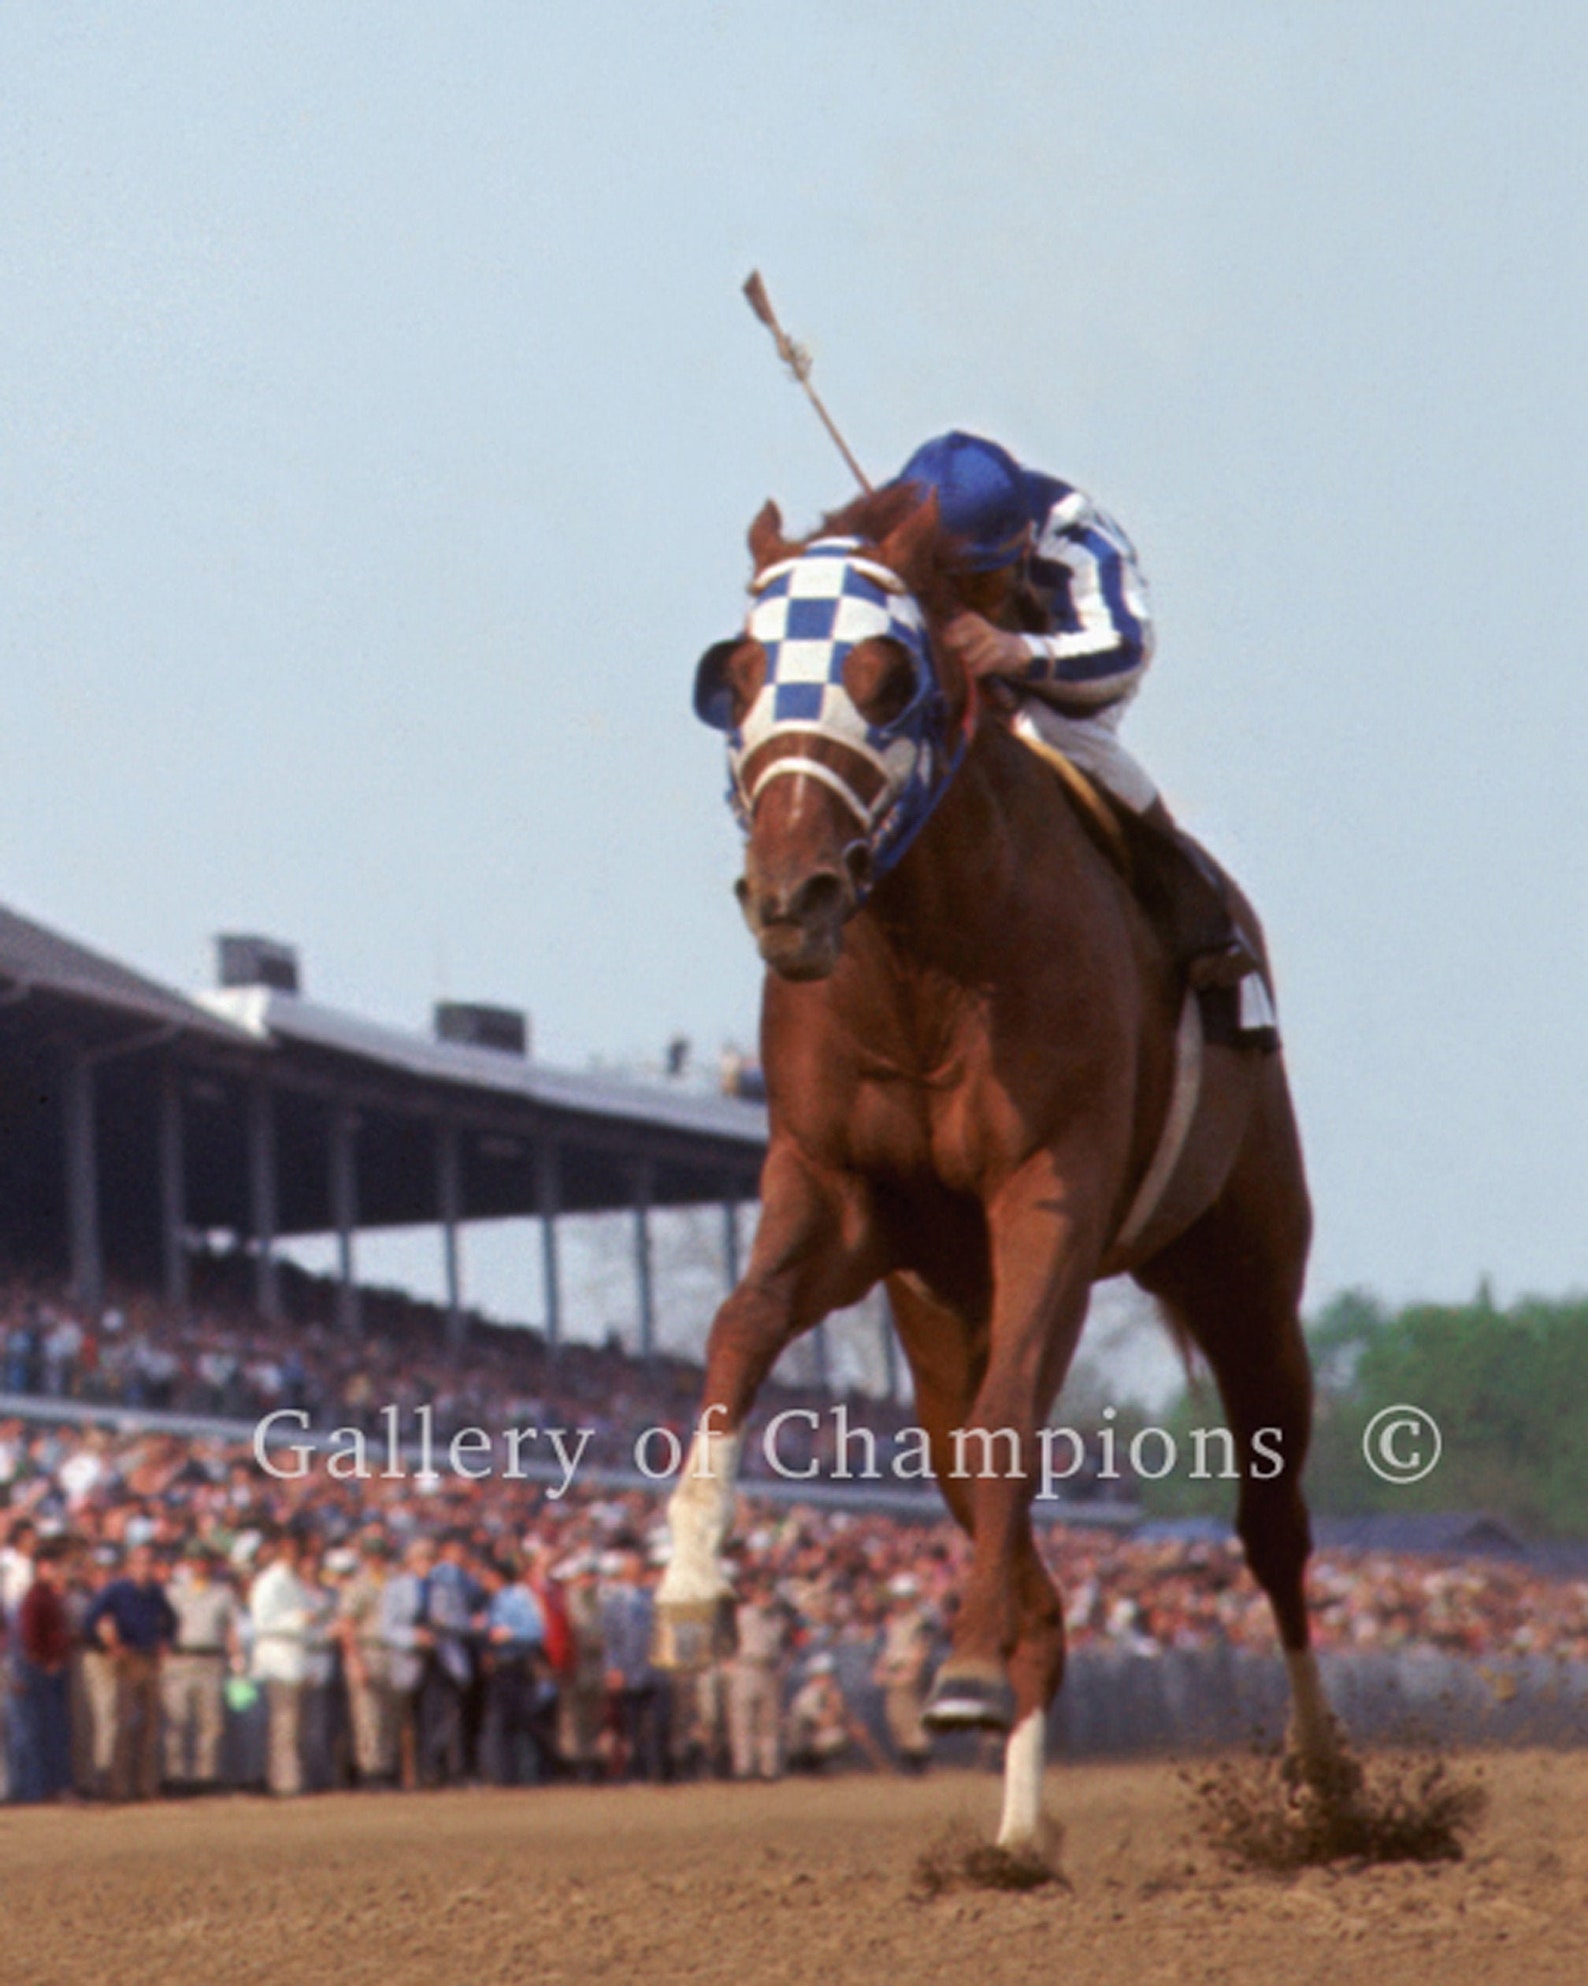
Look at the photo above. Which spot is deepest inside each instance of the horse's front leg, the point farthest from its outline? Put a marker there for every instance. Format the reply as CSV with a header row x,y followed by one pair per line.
x,y
816,1250
1046,1244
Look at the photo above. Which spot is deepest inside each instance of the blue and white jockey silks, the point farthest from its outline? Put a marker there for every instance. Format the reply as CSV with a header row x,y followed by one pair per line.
x,y
1084,569
1074,560
810,612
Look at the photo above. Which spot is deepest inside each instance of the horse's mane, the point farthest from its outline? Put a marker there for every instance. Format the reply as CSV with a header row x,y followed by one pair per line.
x,y
873,516
872,519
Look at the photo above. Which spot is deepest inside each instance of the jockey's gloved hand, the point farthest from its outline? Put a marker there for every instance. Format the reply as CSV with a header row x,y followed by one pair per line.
x,y
984,650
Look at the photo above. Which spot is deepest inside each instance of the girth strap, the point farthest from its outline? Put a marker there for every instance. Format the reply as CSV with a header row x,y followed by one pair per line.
x,y
1177,1123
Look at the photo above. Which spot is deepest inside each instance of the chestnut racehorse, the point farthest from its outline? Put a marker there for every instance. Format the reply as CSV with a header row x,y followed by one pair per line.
x,y
969,1035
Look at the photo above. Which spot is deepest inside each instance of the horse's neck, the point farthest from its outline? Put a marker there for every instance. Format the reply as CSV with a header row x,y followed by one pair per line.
x,y
968,880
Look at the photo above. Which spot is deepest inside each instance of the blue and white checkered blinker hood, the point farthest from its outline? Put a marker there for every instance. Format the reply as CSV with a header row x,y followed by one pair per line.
x,y
810,611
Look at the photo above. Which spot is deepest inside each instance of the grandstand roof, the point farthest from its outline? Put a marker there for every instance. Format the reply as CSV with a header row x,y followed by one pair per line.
x,y
35,960
286,1019
132,1116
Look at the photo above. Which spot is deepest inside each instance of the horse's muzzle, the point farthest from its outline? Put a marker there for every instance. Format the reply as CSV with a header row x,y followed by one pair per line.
x,y
799,930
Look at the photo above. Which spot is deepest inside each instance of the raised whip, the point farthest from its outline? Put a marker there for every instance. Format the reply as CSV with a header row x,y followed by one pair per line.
x,y
798,361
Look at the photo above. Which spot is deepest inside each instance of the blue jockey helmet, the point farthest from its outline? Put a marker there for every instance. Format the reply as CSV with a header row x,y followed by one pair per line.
x,y
981,496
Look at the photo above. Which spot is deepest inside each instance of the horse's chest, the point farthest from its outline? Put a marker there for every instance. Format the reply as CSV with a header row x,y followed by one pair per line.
x,y
898,1128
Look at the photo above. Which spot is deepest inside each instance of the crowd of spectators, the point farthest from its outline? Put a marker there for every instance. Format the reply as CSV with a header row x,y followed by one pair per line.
x,y
160,1592
163,1598
220,1360
176,1616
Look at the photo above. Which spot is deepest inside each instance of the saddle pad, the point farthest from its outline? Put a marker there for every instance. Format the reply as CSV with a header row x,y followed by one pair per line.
x,y
1240,1016
1096,809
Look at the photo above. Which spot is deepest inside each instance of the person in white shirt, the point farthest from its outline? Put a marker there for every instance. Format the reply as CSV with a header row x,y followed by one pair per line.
x,y
279,1606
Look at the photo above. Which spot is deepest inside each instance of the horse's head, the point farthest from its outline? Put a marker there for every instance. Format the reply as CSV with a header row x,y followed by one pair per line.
x,y
841,730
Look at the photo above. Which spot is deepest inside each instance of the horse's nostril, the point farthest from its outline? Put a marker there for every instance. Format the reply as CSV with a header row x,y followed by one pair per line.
x,y
819,896
741,890
857,860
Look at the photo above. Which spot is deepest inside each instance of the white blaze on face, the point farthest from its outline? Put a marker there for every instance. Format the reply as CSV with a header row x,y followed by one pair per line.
x,y
1025,1752
699,1519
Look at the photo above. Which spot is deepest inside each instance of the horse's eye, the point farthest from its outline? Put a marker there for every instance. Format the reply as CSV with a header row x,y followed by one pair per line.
x,y
728,680
880,679
746,674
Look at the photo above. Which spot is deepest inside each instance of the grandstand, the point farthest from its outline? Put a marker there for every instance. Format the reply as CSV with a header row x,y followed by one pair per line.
x,y
137,1123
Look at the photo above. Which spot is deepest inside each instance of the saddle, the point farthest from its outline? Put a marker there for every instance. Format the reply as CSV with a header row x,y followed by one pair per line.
x,y
1189,899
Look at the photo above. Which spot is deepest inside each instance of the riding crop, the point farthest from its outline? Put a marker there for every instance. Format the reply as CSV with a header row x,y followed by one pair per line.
x,y
798,361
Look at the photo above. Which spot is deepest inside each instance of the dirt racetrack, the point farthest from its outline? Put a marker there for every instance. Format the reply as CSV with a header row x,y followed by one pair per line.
x,y
804,1881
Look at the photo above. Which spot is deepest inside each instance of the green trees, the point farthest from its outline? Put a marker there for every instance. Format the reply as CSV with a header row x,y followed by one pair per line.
x,y
1508,1389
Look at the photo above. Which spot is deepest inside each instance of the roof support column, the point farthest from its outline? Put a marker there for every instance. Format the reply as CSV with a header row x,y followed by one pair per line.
x,y
262,1196
344,1211
449,1192
548,1199
82,1184
644,1190
173,1188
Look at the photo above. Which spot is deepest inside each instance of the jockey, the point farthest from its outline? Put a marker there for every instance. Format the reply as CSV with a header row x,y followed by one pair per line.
x,y
1055,607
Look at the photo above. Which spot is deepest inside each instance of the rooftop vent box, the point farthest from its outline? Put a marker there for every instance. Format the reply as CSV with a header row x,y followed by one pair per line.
x,y
503,1028
258,962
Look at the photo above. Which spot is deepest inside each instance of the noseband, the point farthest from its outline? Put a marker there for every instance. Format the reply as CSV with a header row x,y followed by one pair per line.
x,y
810,612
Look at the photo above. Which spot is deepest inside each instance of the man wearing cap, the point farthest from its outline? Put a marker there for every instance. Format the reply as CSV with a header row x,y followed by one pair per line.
x,y
133,1622
207,1642
634,1684
452,1599
821,1724
755,1682
513,1631
365,1663
1056,611
408,1641
581,1689
94,1677
900,1670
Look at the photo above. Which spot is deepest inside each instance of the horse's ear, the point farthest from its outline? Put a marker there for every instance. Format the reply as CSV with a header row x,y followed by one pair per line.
x,y
905,547
766,536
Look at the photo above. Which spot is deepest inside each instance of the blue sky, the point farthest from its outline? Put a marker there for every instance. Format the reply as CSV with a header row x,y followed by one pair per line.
x,y
381,421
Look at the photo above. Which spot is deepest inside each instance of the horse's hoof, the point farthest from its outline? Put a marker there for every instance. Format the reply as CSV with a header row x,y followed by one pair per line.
x,y
1334,1777
692,1634
970,1700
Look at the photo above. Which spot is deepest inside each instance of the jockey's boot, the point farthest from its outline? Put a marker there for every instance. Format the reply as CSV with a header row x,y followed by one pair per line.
x,y
1189,900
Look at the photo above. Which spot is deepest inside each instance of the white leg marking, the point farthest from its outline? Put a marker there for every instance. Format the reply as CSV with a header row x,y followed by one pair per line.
x,y
699,1518
1313,1731
1025,1753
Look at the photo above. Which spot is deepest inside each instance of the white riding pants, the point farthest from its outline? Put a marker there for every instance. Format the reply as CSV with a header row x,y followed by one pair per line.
x,y
1092,742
